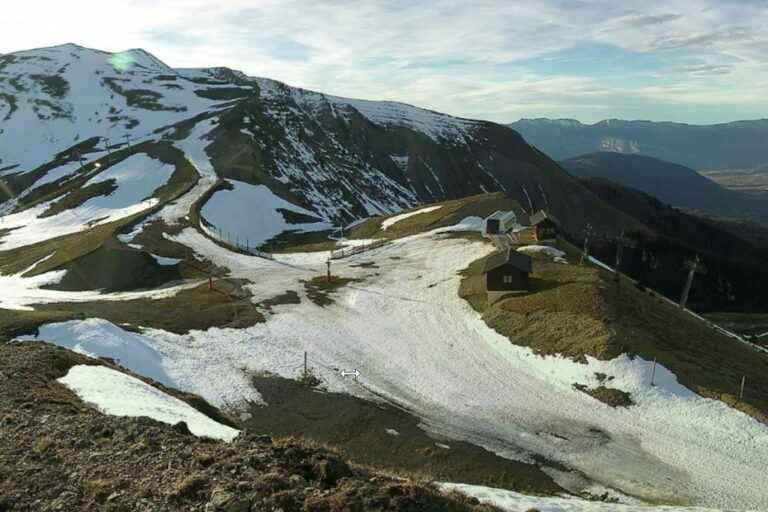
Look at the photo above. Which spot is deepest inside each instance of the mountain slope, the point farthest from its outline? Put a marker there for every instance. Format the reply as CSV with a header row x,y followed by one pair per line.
x,y
741,144
335,159
673,184
271,157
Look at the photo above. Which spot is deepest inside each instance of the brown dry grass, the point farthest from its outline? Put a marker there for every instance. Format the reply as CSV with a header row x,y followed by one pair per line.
x,y
580,310
450,212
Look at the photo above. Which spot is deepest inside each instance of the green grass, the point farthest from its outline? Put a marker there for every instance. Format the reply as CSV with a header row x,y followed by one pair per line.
x,y
746,324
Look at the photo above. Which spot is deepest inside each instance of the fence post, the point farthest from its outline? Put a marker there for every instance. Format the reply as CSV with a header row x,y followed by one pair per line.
x,y
741,393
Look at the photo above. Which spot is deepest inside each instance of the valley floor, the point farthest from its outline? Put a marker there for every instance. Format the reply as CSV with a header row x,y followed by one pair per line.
x,y
417,345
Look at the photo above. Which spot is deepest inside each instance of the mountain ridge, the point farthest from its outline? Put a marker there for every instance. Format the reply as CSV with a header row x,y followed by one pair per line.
x,y
735,144
342,157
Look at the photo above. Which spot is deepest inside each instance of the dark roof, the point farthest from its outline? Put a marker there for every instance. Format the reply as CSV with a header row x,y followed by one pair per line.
x,y
542,215
510,256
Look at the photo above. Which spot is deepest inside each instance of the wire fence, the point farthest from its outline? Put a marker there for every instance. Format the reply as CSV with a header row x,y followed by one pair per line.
x,y
225,237
357,249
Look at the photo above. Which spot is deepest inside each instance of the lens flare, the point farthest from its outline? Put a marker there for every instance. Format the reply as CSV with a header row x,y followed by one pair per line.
x,y
122,61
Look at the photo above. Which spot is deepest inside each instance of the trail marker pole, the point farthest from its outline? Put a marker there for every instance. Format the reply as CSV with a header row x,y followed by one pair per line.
x,y
328,274
587,236
305,364
741,392
210,283
653,372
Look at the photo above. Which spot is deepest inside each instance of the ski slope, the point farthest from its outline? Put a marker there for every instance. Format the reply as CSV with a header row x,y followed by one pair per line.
x,y
419,345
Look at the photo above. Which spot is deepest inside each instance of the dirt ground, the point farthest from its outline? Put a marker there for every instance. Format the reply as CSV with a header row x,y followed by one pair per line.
x,y
59,454
386,438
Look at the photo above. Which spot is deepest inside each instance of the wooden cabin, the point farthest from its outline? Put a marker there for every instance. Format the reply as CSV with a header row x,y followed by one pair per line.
x,y
545,226
507,272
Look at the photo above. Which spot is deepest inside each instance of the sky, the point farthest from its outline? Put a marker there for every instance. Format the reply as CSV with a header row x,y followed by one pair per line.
x,y
696,61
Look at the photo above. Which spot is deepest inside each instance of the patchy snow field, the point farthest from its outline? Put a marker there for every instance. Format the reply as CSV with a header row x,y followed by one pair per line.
x,y
516,502
42,122
118,394
136,178
21,293
418,344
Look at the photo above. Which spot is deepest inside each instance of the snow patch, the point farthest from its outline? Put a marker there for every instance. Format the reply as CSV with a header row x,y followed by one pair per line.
x,y
165,262
515,502
119,394
250,213
387,223
556,254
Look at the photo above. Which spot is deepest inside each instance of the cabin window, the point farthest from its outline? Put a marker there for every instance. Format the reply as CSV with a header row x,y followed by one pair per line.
x,y
508,280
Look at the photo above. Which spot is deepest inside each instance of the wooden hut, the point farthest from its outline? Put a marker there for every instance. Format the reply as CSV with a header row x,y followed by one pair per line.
x,y
545,225
507,272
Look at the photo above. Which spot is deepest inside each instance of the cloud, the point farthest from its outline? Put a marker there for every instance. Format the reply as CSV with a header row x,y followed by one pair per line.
x,y
491,58
637,21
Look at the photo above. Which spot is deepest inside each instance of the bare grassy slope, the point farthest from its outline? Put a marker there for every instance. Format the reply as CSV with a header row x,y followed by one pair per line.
x,y
580,310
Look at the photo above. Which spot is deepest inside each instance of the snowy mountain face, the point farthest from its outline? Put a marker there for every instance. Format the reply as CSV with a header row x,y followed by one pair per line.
x,y
52,99
342,159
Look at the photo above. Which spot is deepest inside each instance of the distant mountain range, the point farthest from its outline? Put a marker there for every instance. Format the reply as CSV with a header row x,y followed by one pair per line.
x,y
736,145
673,184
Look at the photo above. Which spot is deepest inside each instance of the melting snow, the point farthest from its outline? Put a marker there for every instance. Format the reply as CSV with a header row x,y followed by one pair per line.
x,y
515,502
136,178
419,345
119,394
165,262
397,218
250,213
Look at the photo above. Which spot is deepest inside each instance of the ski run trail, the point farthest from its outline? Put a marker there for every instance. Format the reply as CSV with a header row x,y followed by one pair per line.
x,y
419,345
